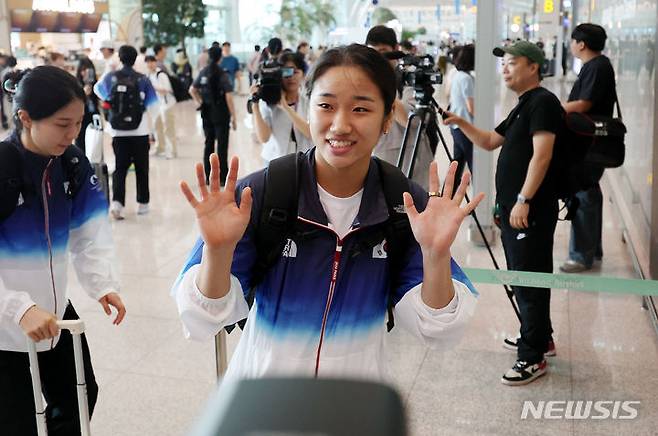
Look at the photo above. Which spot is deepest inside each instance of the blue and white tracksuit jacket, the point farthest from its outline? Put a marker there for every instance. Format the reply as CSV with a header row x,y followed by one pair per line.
x,y
37,239
320,310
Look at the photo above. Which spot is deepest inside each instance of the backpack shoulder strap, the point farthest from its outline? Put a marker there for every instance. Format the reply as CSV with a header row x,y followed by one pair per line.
x,y
277,219
279,212
397,228
11,178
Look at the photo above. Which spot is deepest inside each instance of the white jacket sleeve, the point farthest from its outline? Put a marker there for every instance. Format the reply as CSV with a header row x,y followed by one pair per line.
x,y
92,254
204,317
13,304
90,240
436,328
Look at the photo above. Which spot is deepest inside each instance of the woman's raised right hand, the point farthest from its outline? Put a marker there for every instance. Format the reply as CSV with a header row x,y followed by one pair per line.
x,y
221,222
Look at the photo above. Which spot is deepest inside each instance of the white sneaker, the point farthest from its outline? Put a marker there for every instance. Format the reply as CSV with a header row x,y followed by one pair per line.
x,y
116,210
142,208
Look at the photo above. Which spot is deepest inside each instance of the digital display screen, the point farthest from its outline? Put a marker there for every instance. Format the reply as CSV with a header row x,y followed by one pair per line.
x,y
28,20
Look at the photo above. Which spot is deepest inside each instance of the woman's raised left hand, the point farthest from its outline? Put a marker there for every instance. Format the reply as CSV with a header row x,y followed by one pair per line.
x,y
436,227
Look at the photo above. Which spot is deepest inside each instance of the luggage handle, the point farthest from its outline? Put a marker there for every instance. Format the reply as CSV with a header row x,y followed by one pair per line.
x,y
76,327
96,122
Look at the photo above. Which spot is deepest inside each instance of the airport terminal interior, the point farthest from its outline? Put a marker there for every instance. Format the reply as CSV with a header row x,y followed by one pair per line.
x,y
154,381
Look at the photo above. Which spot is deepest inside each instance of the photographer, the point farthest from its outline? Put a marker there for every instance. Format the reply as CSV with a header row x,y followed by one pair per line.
x,y
283,128
213,92
384,40
593,93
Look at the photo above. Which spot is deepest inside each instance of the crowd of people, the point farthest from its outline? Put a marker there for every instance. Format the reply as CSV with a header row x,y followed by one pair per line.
x,y
320,250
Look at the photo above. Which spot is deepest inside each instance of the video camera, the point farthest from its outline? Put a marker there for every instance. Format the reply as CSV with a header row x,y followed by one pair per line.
x,y
420,73
269,80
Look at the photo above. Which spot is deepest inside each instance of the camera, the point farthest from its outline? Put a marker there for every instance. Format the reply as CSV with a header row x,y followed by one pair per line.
x,y
420,73
269,81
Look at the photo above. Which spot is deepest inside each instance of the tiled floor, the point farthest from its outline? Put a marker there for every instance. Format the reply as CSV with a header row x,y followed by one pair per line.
x,y
154,382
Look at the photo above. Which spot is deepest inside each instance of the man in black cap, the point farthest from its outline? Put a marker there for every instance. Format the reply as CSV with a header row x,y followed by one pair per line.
x,y
593,93
525,198
384,40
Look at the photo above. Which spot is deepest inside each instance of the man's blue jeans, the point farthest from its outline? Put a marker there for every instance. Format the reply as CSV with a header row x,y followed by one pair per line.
x,y
585,241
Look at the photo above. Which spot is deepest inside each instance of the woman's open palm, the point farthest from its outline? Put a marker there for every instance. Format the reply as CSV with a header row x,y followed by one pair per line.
x,y
436,227
221,222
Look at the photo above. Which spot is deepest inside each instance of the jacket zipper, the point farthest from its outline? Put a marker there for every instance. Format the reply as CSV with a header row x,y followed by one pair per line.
x,y
46,191
332,285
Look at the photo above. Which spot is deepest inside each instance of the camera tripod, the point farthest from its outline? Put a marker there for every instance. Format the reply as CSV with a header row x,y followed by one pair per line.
x,y
426,110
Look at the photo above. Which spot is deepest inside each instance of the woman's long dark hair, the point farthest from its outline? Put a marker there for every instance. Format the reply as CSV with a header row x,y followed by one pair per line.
x,y
42,91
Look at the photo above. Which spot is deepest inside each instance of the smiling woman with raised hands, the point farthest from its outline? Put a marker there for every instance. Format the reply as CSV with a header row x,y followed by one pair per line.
x,y
333,252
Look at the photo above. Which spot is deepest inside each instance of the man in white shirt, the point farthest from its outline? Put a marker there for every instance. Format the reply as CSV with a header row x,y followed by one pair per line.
x,y
140,62
165,123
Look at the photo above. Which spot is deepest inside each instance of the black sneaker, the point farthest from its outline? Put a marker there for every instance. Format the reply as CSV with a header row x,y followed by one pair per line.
x,y
523,373
512,344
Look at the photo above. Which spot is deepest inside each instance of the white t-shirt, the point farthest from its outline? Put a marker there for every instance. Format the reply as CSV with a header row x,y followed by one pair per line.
x,y
280,142
341,212
160,81
462,88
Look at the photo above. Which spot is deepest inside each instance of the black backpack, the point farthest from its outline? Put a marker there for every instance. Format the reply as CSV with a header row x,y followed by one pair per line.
x,y
126,104
13,182
177,87
211,93
278,221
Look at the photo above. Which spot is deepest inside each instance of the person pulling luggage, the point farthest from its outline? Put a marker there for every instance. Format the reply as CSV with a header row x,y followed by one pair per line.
x,y
52,209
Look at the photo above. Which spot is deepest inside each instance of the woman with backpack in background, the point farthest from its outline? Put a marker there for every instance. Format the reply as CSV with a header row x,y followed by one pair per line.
x,y
213,92
346,253
182,69
51,209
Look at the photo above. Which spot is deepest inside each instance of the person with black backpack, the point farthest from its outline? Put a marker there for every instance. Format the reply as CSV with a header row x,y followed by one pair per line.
x,y
328,243
128,94
52,213
213,92
593,93
526,198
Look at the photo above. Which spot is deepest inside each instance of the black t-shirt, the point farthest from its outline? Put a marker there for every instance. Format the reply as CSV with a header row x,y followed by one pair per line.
x,y
537,110
213,84
596,83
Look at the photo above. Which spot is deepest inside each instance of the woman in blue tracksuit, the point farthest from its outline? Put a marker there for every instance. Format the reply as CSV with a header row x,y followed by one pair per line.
x,y
321,309
52,208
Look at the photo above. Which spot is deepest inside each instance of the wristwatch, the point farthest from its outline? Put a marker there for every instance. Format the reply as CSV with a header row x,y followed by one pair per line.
x,y
521,199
